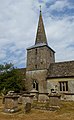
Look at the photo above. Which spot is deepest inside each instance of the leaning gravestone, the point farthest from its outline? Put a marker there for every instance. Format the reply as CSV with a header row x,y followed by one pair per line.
x,y
27,107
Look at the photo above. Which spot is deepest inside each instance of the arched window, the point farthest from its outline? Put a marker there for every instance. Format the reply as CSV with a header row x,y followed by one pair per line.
x,y
35,85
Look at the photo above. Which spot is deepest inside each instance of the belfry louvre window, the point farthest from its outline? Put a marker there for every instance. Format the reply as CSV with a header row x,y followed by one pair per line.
x,y
63,86
35,66
36,51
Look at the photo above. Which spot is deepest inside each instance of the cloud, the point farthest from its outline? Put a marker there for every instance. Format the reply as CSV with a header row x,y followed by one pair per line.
x,y
2,54
18,26
60,36
60,5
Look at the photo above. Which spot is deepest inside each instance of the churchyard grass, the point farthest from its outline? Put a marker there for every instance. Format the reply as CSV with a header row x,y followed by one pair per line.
x,y
65,113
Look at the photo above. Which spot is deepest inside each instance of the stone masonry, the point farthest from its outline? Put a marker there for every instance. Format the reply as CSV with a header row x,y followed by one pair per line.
x,y
42,73
39,58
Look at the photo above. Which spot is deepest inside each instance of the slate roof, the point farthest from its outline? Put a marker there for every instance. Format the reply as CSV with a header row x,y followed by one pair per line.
x,y
61,69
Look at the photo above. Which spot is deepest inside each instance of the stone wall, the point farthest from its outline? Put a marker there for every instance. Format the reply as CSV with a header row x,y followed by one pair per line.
x,y
40,77
39,58
54,84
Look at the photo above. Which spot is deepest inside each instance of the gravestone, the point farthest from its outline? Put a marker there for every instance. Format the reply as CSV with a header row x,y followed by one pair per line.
x,y
27,100
34,93
11,103
27,107
54,100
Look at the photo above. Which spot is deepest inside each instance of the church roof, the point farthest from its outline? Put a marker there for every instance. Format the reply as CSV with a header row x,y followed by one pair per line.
x,y
40,45
37,45
61,69
40,36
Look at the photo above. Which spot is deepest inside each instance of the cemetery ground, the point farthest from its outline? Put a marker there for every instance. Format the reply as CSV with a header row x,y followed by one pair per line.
x,y
65,113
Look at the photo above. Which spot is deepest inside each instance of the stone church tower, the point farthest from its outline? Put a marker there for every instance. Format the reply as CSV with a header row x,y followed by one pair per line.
x,y
39,58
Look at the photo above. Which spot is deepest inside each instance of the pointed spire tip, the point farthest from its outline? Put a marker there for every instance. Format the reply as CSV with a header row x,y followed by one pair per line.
x,y
40,8
41,35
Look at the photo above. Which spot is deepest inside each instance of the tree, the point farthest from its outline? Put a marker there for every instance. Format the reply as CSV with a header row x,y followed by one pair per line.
x,y
10,79
6,67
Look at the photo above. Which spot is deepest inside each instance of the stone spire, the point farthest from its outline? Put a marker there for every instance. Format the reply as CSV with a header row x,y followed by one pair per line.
x,y
40,36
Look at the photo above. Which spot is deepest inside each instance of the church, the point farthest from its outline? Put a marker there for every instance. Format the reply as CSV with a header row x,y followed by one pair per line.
x,y
43,74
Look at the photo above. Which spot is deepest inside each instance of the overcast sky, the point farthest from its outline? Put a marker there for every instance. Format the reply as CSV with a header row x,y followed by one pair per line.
x,y
18,26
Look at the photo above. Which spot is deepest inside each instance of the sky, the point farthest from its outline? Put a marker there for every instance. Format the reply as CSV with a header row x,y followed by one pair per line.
x,y
18,27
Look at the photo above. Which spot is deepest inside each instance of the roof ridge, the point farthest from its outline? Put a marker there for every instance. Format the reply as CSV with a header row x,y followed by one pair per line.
x,y
60,62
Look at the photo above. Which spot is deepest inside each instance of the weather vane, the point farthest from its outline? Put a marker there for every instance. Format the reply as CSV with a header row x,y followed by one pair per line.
x,y
40,8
